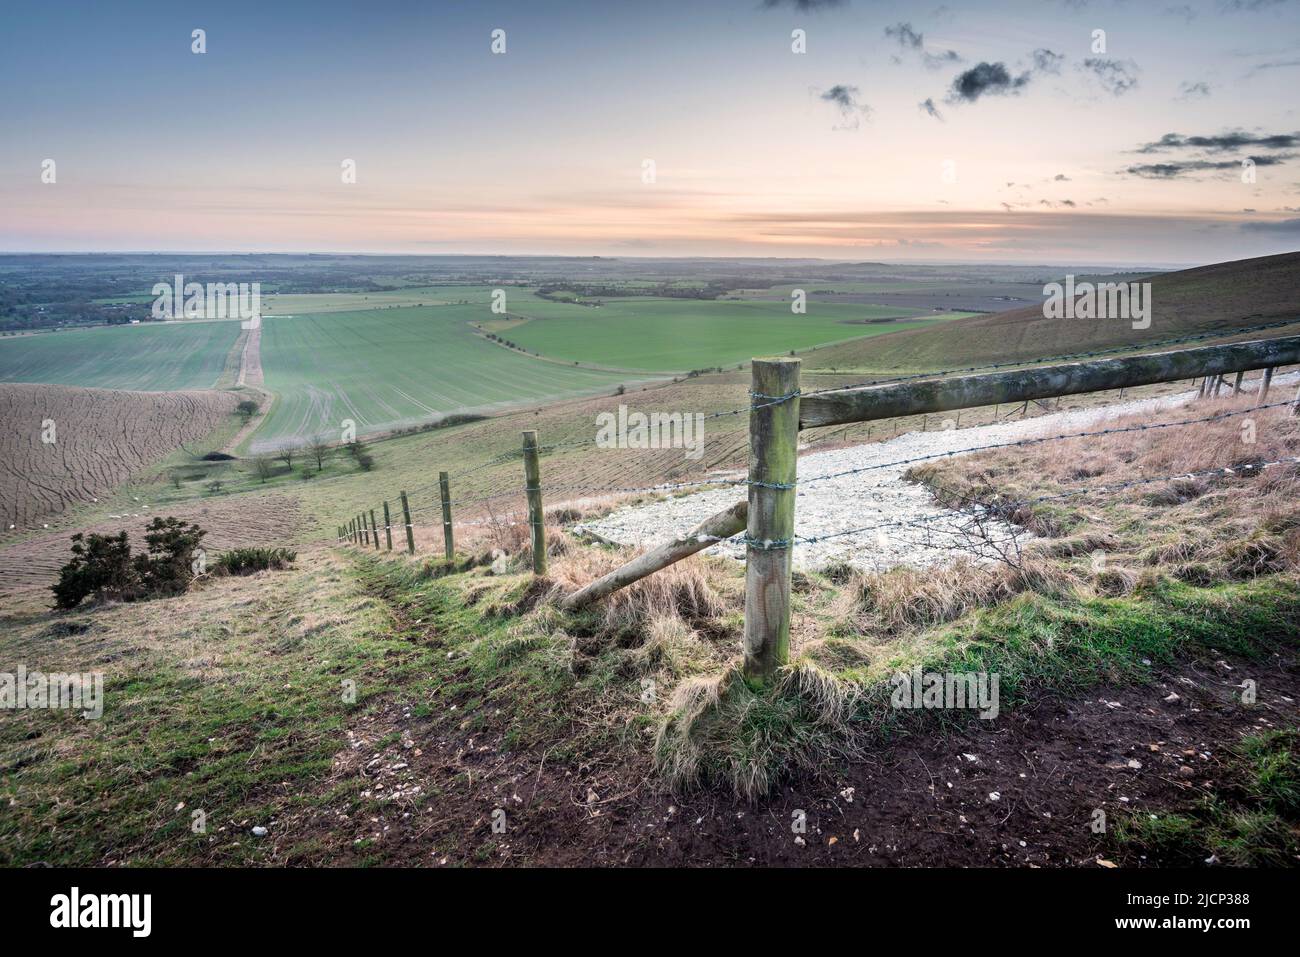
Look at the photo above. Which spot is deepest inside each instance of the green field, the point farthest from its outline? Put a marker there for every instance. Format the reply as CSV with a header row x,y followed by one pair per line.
x,y
674,335
388,368
296,304
149,357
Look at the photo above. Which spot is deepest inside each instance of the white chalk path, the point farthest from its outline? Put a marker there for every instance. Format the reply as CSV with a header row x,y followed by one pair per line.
x,y
879,496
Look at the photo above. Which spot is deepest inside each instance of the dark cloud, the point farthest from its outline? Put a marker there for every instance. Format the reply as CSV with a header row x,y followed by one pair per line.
x,y
846,99
1117,77
927,106
1061,178
1177,168
1046,61
934,61
985,79
912,40
1250,6
1223,142
1193,91
905,35
1272,65
804,6
1280,226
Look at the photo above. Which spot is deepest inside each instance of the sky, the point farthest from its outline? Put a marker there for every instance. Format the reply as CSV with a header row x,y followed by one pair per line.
x,y
1081,131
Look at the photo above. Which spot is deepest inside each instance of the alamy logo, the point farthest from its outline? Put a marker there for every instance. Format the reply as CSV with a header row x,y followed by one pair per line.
x,y
658,430
950,690
216,300
1103,300
103,910
26,690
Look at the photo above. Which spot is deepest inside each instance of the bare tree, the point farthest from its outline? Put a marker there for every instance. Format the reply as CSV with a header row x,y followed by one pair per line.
x,y
319,449
285,455
263,465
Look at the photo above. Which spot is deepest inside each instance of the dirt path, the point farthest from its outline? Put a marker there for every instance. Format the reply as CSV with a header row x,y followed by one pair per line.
x,y
877,495
250,377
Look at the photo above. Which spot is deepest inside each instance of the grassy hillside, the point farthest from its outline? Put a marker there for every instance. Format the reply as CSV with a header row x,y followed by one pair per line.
x,y
475,693
152,357
1245,292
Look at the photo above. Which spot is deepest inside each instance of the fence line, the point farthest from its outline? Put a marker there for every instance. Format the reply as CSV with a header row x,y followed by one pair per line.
x,y
779,411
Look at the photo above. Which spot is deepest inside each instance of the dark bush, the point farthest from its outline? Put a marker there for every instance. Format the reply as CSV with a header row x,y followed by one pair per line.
x,y
102,566
168,569
246,561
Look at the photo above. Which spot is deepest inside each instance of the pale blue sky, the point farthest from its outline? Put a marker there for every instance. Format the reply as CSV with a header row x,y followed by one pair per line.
x,y
757,150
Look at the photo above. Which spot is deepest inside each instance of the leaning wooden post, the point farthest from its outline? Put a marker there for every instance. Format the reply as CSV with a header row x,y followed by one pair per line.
x,y
1218,384
388,526
448,538
773,454
533,486
1264,383
406,518
1236,383
374,529
1295,406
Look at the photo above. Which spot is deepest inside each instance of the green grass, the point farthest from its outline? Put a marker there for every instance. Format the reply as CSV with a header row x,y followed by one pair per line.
x,y
752,739
394,367
676,335
236,710
1254,824
150,357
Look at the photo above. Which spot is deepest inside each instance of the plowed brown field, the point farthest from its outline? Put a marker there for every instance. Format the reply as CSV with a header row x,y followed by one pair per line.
x,y
61,445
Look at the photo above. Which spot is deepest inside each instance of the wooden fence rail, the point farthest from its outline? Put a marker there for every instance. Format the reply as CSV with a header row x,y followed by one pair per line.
x,y
779,411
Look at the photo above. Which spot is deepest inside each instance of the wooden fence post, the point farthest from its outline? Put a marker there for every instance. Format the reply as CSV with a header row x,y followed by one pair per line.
x,y
388,526
448,536
406,518
533,486
352,530
1295,406
773,463
365,535
374,529
1236,383
1218,384
1264,383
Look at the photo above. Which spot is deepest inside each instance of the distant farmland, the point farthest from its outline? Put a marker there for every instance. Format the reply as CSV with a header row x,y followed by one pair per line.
x,y
391,367
669,335
149,357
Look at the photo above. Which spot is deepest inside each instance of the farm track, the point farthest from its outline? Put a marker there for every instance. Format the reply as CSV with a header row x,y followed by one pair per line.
x,y
100,438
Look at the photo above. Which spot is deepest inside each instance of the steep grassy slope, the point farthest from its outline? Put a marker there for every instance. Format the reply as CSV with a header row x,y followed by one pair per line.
x,y
1242,293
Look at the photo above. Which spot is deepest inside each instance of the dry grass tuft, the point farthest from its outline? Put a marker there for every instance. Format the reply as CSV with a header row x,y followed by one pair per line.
x,y
903,598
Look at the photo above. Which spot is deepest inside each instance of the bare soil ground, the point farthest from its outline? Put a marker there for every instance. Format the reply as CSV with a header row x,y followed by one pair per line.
x,y
101,437
1021,791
